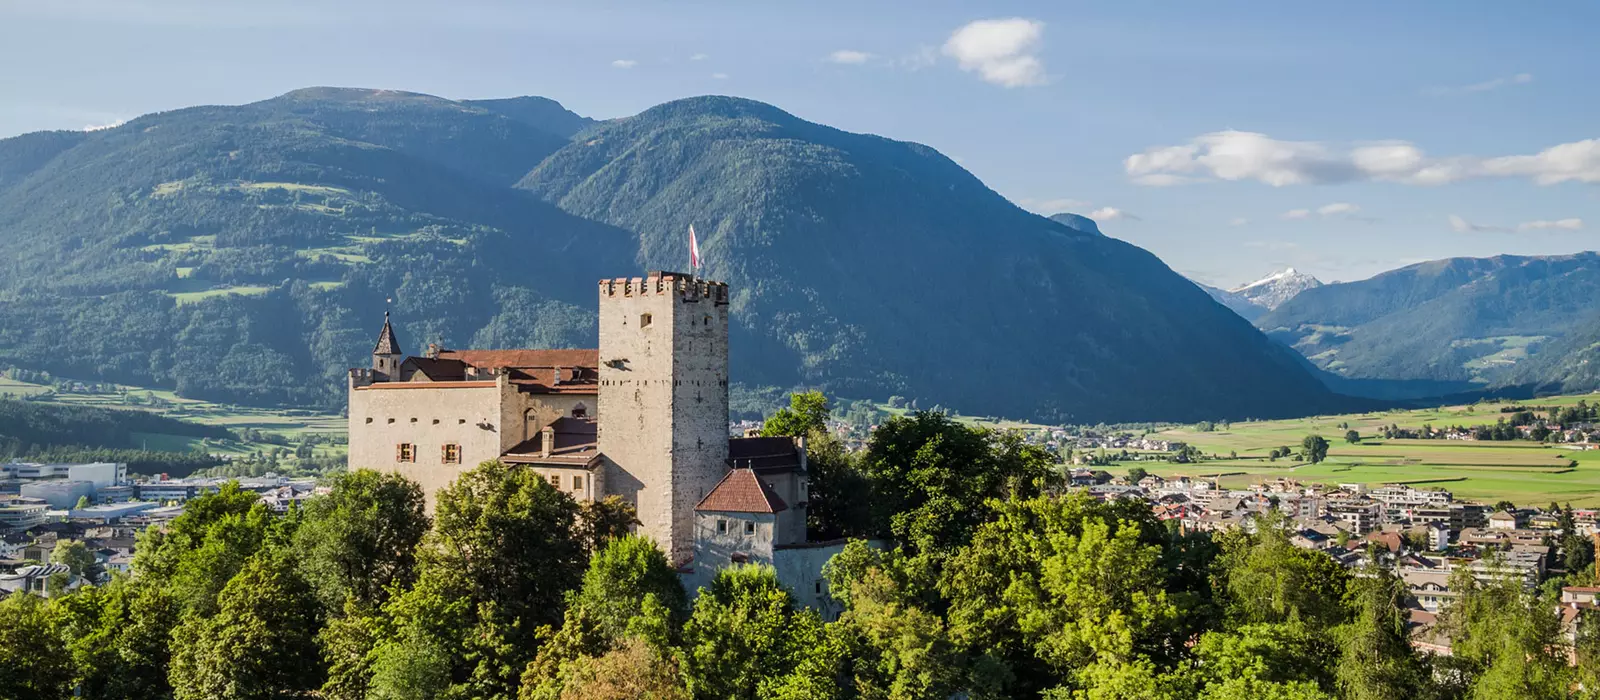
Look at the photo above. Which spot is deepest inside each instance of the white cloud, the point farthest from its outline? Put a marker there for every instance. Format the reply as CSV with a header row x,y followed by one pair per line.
x,y
1243,155
1294,214
1002,51
719,76
1337,208
1485,86
699,57
1561,224
849,57
624,63
1111,214
1238,221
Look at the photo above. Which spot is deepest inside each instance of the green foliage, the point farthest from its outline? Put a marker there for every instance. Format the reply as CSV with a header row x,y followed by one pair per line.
x,y
840,491
806,413
1376,661
740,635
1314,448
1263,578
34,663
260,644
360,540
931,476
75,554
1505,639
1353,437
604,520
619,578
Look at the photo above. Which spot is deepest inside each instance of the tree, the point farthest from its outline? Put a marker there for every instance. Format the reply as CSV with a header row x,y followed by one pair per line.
x,y
503,553
76,555
1264,578
83,502
1137,474
604,520
34,662
633,671
1505,640
807,413
739,635
124,651
260,644
361,538
1506,506
840,492
1352,437
1314,448
1376,661
931,476
1054,584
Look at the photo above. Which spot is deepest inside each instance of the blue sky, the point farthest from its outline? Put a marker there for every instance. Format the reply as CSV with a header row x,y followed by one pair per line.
x,y
1229,138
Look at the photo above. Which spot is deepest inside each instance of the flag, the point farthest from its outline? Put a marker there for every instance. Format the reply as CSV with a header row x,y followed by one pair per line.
x,y
694,250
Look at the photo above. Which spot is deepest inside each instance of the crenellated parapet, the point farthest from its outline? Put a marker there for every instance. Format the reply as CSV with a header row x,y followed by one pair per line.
x,y
689,287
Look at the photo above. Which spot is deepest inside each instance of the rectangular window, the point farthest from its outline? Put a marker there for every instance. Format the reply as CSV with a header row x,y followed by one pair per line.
x,y
577,483
405,452
722,526
555,480
749,528
451,454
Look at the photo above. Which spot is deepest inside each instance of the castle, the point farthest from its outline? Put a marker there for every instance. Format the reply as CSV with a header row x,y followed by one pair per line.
x,y
644,417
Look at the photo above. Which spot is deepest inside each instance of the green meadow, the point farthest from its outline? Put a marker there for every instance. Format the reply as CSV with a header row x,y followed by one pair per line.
x,y
1519,471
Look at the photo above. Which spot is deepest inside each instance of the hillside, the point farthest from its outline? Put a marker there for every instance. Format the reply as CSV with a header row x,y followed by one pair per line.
x,y
873,267
1478,320
244,254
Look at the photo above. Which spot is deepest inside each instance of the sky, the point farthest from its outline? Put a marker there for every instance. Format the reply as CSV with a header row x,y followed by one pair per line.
x,y
1232,139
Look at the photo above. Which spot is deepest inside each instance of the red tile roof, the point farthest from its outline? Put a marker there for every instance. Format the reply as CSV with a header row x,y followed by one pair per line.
x,y
741,491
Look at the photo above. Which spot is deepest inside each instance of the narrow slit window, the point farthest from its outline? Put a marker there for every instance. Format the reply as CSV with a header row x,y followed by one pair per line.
x,y
644,320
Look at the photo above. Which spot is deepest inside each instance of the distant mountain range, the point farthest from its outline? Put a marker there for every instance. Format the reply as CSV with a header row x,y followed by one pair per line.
x,y
1461,323
1257,298
246,253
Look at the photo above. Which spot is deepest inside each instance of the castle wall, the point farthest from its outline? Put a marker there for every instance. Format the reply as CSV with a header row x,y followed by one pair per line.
x,y
664,399
384,415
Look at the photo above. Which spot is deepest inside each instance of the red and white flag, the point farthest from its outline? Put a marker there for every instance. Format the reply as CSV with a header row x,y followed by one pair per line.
x,y
694,250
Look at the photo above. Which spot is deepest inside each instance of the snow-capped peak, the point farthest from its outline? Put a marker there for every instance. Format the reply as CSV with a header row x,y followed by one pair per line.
x,y
1275,289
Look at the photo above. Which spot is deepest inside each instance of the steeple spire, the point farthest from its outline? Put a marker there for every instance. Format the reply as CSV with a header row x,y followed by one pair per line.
x,y
387,344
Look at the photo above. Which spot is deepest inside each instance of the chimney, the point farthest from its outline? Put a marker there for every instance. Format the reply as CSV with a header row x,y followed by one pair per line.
x,y
547,440
433,351
800,446
557,380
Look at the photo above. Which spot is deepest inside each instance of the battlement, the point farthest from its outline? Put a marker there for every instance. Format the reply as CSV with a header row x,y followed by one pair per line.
x,y
658,282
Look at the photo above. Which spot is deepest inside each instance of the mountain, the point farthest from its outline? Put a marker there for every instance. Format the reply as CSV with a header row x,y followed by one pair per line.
x,y
244,253
1272,291
1464,320
1077,222
1238,303
1257,298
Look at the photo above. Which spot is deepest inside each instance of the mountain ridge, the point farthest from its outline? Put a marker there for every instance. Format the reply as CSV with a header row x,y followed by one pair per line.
x,y
246,251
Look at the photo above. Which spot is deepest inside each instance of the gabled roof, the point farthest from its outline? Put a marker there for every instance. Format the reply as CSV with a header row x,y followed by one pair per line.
x,y
387,344
741,491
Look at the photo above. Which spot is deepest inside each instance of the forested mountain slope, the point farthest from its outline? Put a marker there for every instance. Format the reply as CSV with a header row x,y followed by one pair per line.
x,y
1461,319
871,266
244,253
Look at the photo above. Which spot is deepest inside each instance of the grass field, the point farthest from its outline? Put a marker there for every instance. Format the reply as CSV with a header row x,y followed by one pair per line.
x,y
292,424
1518,471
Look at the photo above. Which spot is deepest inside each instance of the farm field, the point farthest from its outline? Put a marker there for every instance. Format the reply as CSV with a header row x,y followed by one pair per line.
x,y
291,424
1519,471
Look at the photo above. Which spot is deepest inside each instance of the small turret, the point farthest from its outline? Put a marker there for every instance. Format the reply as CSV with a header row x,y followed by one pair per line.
x,y
386,355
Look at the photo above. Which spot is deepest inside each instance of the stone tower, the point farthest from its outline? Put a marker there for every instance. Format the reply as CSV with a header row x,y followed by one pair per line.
x,y
664,398
386,355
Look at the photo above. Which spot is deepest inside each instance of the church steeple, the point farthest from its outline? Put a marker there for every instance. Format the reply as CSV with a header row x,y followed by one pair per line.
x,y
386,355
